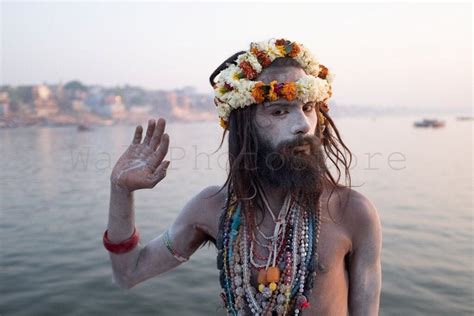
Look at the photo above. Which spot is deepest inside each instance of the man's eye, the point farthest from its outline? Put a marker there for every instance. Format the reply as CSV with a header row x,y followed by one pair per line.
x,y
278,112
308,108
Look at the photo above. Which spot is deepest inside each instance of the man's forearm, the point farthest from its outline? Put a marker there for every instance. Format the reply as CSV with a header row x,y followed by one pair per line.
x,y
120,227
121,214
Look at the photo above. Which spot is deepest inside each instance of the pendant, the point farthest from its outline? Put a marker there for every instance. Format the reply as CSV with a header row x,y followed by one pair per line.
x,y
270,276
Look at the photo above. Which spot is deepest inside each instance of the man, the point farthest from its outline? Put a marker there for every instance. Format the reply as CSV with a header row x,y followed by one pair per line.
x,y
290,239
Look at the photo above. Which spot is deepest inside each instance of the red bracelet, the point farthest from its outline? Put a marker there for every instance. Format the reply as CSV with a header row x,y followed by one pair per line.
x,y
124,246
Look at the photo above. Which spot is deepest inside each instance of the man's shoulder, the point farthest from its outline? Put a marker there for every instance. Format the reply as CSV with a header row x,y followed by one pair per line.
x,y
348,200
212,195
359,204
360,214
206,207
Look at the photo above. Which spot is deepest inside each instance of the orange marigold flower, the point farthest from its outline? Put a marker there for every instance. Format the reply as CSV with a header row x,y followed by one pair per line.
x,y
323,106
280,41
288,91
262,57
272,96
323,71
295,49
329,94
321,118
265,61
223,123
258,93
248,70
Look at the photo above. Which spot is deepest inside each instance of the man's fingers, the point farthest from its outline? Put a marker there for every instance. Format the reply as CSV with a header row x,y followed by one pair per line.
x,y
149,132
158,175
158,133
161,152
160,172
137,138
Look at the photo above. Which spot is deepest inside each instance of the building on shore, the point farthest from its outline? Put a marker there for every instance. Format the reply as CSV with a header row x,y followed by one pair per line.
x,y
4,104
112,107
44,101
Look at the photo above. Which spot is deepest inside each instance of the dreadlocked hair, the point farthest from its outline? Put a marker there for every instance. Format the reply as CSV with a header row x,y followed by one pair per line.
x,y
243,144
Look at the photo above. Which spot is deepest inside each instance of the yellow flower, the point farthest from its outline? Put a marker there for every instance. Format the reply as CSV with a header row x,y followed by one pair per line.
x,y
222,90
281,49
272,96
236,76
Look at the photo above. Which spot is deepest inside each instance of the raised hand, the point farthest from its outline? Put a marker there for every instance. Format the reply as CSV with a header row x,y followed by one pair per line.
x,y
142,166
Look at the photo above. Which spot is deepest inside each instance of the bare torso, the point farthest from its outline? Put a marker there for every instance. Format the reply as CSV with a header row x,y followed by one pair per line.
x,y
331,287
349,273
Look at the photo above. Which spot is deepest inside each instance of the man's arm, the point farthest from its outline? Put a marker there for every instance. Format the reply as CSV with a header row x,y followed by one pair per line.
x,y
187,233
365,278
142,166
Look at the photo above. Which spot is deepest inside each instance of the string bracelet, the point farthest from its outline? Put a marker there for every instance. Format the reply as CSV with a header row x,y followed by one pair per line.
x,y
169,245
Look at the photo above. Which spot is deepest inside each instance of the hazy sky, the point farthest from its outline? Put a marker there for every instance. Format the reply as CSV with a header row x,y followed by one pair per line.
x,y
382,54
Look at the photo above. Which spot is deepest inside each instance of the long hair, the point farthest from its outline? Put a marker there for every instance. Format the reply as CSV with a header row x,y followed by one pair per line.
x,y
243,144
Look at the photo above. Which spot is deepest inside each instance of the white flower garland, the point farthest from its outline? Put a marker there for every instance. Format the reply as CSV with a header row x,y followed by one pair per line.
x,y
234,90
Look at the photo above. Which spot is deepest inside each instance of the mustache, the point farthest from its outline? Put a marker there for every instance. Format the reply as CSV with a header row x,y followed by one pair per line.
x,y
287,147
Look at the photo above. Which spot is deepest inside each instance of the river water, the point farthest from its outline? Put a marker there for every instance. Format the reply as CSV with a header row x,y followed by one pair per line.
x,y
54,205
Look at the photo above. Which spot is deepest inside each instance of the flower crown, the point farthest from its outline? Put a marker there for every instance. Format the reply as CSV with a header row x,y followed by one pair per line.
x,y
236,88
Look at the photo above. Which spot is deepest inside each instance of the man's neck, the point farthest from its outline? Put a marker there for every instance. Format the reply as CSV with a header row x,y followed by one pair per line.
x,y
276,196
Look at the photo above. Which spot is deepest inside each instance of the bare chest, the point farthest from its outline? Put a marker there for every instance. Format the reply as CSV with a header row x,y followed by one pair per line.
x,y
330,291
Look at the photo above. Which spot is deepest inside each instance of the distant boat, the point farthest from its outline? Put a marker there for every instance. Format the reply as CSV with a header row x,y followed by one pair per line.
x,y
83,128
429,123
438,124
464,118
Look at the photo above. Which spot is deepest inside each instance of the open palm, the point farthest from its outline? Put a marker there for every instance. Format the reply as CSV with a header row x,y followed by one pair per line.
x,y
142,165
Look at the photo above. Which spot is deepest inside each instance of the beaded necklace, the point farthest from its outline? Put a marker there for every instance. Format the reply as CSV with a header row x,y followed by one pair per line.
x,y
274,242
287,278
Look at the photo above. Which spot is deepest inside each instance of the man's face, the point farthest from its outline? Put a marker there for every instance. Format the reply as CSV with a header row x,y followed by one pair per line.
x,y
289,154
281,120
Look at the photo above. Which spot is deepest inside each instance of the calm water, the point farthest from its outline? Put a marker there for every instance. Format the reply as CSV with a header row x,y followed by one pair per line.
x,y
54,204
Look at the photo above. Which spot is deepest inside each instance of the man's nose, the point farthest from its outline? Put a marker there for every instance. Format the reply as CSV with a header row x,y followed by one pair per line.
x,y
301,125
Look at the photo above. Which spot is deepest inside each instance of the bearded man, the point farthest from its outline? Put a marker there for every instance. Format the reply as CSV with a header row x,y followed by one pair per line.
x,y
290,239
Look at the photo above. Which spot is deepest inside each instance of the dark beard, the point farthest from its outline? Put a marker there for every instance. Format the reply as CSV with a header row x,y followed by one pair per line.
x,y
300,174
